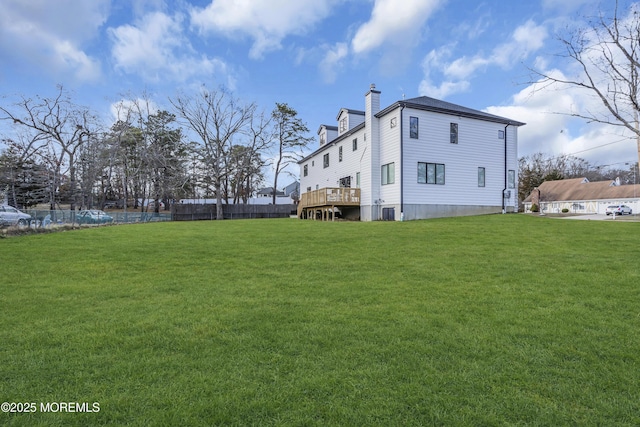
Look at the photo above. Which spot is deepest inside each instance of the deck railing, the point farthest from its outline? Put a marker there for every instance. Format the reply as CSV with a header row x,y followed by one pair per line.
x,y
328,196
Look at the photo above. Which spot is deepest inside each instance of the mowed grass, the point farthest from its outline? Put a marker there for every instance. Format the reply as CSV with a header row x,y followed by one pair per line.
x,y
492,320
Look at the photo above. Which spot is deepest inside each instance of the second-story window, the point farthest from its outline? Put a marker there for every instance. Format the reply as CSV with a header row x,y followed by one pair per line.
x,y
306,170
454,133
413,127
340,154
355,144
326,160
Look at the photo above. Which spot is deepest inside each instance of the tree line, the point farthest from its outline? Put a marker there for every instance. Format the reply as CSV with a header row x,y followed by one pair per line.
x,y
208,144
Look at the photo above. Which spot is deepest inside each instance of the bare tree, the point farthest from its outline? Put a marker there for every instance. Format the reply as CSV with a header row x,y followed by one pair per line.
x,y
216,118
607,53
59,121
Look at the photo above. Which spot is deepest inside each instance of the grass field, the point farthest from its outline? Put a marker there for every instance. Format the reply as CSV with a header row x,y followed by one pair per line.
x,y
492,320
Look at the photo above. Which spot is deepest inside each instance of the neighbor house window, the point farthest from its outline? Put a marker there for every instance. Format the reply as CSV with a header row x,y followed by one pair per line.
x,y
306,170
322,138
354,145
326,160
454,132
511,179
388,173
481,177
357,179
413,127
313,163
431,173
394,122
340,154
308,189
343,124
500,134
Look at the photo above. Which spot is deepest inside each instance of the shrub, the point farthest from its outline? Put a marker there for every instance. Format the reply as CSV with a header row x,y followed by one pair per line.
x,y
565,210
534,208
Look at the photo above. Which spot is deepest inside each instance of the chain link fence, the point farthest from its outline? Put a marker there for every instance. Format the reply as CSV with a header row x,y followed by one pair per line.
x,y
44,218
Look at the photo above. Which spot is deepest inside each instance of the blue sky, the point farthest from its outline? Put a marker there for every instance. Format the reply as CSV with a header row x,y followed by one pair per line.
x,y
318,56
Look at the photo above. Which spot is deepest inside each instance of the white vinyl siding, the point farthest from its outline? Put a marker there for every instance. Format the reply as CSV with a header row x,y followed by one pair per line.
x,y
477,144
319,177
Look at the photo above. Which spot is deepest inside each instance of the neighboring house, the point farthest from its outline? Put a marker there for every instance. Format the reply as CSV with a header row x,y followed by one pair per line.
x,y
268,192
579,195
417,158
292,190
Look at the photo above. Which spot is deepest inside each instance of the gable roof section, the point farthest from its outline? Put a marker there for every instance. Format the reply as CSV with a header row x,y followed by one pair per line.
x,y
342,137
581,189
349,111
327,127
426,103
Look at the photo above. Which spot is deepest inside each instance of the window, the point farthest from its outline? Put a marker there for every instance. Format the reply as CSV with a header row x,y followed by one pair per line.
x,y
313,163
340,154
343,124
394,122
345,182
454,133
357,179
326,160
388,173
481,177
431,173
413,127
354,145
511,179
306,170
308,189
322,138
500,134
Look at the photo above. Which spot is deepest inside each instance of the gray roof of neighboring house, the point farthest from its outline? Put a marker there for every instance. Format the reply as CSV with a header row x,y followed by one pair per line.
x,y
582,189
269,191
431,104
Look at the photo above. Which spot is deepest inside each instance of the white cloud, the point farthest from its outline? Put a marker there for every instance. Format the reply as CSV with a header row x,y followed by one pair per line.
x,y
456,74
156,49
267,22
51,34
550,129
435,61
393,22
130,109
332,61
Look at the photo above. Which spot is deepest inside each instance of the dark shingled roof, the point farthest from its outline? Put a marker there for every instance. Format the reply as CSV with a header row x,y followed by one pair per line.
x,y
437,105
576,189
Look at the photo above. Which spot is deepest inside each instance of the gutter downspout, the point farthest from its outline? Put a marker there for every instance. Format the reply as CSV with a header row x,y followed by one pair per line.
x,y
504,190
401,165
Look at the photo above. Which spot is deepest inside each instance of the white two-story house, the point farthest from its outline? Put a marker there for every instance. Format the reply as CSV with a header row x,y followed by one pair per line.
x,y
417,158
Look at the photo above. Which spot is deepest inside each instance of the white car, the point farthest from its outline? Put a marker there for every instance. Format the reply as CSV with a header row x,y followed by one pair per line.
x,y
12,216
618,210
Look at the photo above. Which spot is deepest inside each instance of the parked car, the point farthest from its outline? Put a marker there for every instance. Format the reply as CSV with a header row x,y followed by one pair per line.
x,y
93,216
12,216
618,210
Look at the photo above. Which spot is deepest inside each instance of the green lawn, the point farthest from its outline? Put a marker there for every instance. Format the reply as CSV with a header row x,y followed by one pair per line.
x,y
492,320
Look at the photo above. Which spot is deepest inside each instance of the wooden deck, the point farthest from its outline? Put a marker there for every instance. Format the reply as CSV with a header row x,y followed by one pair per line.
x,y
325,200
